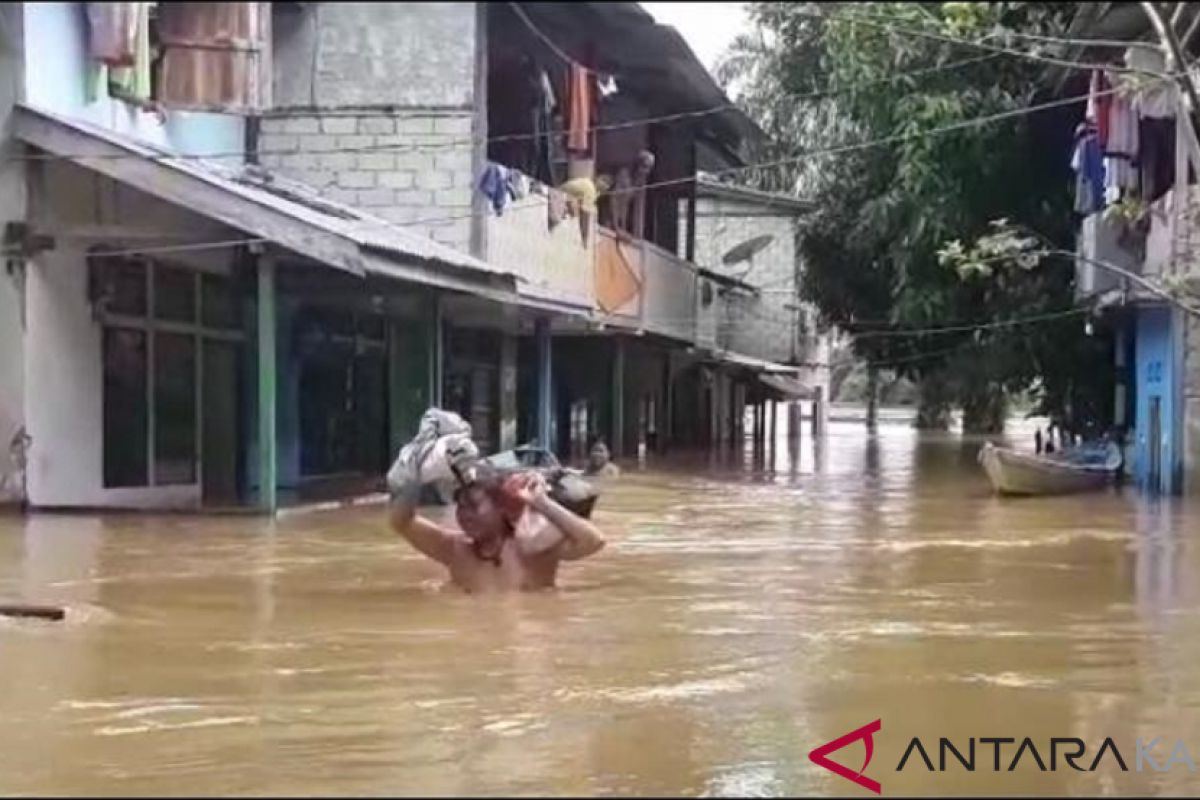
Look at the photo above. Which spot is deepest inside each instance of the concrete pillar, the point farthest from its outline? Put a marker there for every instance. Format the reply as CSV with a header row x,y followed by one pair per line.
x,y
545,383
267,444
508,392
666,419
437,339
714,408
617,400
772,436
1120,373
820,412
872,398
795,422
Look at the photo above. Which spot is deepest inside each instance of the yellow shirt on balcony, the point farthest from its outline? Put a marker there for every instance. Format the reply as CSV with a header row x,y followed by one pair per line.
x,y
583,191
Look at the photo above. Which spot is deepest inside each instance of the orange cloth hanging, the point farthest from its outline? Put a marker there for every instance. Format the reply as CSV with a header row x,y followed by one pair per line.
x,y
579,116
617,283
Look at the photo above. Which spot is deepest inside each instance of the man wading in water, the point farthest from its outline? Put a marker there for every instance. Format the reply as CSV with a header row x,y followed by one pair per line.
x,y
512,534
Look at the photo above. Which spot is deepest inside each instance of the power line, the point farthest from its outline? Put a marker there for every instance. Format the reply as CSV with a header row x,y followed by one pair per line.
x,y
963,328
867,19
830,150
546,40
460,142
398,148
840,149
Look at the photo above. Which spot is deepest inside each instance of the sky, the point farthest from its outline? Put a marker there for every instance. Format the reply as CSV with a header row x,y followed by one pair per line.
x,y
707,27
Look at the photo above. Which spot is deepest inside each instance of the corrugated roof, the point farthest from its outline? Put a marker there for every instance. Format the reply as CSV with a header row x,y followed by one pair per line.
x,y
652,59
124,159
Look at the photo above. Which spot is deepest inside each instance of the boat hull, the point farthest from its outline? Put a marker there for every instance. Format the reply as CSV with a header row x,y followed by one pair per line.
x,y
1013,473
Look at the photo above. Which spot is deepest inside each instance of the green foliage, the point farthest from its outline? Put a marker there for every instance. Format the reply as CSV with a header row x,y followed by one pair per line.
x,y
883,249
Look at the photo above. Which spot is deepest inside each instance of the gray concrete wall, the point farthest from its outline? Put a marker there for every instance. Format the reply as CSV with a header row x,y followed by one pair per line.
x,y
413,168
374,54
762,326
12,209
379,106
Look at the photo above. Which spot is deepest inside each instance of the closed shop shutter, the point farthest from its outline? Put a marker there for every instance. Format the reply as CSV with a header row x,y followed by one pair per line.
x,y
213,56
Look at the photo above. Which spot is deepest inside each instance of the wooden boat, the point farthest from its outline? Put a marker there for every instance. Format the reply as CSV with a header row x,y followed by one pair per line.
x,y
1014,473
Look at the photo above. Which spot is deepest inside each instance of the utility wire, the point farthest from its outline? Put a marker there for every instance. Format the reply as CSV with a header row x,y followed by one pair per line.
x,y
891,27
830,150
866,19
460,142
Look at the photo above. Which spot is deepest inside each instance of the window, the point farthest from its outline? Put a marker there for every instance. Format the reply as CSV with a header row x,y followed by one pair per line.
x,y
174,295
174,409
126,410
186,56
151,366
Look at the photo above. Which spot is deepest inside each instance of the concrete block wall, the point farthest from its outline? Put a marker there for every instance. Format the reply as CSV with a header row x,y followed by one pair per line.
x,y
410,167
761,326
378,106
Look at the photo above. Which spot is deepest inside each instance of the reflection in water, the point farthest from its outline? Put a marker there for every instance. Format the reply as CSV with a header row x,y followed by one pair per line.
x,y
747,610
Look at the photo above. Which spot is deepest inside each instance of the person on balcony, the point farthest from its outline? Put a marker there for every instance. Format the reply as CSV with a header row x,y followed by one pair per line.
x,y
628,199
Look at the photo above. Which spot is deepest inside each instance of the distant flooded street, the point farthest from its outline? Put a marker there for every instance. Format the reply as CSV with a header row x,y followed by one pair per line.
x,y
739,618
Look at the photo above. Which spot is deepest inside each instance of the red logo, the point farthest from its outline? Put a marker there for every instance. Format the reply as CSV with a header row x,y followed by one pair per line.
x,y
867,734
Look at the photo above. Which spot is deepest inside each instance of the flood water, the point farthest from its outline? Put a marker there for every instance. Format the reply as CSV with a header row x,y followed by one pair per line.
x,y
739,618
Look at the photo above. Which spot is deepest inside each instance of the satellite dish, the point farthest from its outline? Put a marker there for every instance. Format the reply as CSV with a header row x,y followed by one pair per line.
x,y
747,250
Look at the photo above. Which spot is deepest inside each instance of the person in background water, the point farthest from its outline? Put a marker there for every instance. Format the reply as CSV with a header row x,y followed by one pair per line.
x,y
599,463
498,546
1037,441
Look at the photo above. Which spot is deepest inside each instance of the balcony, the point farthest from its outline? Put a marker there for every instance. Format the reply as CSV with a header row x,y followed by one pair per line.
x,y
625,282
1102,238
552,264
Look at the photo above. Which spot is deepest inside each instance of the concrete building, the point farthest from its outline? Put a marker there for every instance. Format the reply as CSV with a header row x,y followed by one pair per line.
x,y
1133,268
237,273
746,245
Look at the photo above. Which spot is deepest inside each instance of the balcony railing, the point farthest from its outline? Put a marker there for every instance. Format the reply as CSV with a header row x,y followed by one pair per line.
x,y
1102,238
552,263
626,282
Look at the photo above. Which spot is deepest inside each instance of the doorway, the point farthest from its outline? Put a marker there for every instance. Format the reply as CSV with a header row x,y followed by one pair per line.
x,y
220,451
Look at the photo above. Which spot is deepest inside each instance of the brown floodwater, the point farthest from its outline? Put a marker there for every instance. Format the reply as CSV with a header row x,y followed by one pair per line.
x,y
740,617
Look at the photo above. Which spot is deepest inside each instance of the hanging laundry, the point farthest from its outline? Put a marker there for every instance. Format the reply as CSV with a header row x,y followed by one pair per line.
x,y
556,207
112,33
1121,148
518,184
579,119
542,117
133,82
618,283
1099,104
494,183
1088,162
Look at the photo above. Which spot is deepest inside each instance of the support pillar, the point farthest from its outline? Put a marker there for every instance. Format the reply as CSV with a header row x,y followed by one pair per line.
x,y
544,383
508,392
666,420
796,422
617,434
437,341
820,413
267,442
872,398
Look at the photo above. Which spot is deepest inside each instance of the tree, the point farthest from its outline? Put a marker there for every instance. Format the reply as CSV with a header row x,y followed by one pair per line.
x,y
886,211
